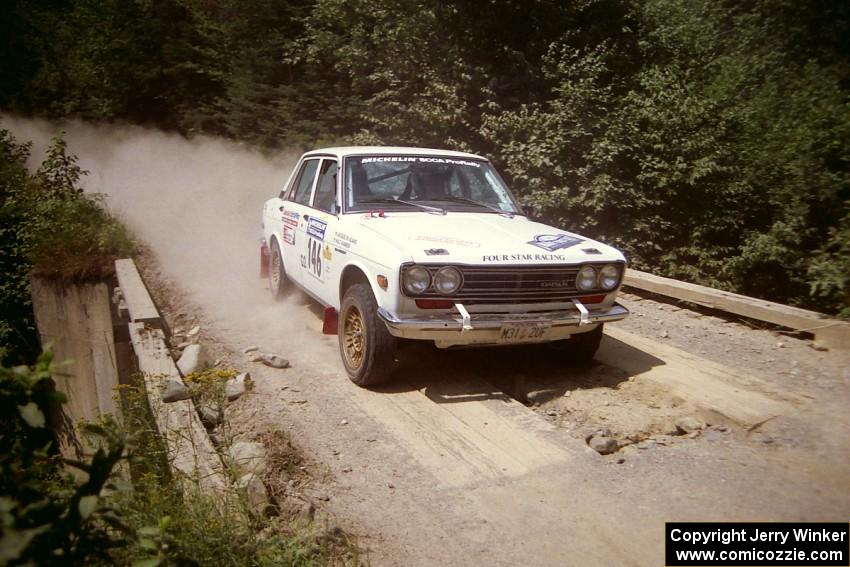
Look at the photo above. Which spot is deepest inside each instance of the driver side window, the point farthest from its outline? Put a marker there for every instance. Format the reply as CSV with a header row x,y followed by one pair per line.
x,y
325,199
304,183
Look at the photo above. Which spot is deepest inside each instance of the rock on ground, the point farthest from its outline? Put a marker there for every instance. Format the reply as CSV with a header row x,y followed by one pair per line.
x,y
237,386
274,361
254,492
248,457
210,415
538,397
689,424
299,509
603,445
175,390
193,359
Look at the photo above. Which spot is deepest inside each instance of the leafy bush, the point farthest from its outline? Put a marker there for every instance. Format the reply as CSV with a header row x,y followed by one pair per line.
x,y
49,228
18,336
47,517
78,240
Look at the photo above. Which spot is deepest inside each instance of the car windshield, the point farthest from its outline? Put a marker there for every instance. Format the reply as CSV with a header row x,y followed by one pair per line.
x,y
439,183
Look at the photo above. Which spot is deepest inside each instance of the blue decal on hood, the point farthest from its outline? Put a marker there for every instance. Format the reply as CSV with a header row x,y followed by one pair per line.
x,y
552,242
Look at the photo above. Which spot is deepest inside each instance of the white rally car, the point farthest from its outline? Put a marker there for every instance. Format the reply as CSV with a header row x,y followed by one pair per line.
x,y
411,243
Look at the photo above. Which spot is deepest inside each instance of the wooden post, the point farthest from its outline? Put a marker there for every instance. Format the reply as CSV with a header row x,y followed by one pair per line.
x,y
75,320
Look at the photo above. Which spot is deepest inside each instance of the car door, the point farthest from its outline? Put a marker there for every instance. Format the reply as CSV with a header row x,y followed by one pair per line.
x,y
320,273
295,206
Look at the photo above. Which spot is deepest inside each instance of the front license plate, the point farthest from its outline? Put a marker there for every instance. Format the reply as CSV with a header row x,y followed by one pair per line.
x,y
525,331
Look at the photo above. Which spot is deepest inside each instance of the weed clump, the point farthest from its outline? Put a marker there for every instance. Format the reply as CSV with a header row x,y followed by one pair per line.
x,y
125,508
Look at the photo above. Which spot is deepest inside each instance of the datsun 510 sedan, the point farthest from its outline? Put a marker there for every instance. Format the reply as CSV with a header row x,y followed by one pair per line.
x,y
430,245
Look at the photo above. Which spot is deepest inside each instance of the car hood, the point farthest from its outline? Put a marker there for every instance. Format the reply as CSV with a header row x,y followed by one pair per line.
x,y
472,238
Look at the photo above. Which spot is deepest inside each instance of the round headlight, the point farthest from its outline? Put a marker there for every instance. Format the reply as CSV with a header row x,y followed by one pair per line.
x,y
586,278
609,277
416,280
448,280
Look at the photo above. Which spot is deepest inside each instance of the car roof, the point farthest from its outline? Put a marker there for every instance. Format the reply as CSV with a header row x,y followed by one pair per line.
x,y
344,151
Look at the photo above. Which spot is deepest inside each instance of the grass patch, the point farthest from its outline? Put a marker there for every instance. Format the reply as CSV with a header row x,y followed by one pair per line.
x,y
173,526
124,507
179,527
78,240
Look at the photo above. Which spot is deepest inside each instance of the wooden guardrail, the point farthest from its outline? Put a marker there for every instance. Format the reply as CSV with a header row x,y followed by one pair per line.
x,y
829,332
191,453
140,305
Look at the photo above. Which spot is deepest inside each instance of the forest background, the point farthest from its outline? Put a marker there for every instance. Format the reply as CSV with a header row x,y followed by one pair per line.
x,y
709,140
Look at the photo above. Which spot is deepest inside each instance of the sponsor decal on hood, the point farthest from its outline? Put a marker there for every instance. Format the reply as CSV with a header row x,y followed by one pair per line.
x,y
448,240
552,242
523,258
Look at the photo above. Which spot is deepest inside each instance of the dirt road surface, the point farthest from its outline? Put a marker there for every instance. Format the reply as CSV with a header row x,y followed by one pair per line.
x,y
480,457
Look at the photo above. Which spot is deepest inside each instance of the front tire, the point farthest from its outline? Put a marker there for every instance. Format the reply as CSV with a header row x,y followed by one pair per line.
x,y
366,346
278,283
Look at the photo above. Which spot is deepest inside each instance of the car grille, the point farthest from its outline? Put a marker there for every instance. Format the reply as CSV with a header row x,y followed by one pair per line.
x,y
503,284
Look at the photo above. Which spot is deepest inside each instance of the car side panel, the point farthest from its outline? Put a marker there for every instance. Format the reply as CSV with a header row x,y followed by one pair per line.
x,y
272,224
369,253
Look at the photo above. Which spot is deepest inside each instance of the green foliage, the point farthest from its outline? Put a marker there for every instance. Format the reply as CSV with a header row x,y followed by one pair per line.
x,y
18,337
208,389
829,272
59,174
50,228
708,139
78,239
47,517
51,517
104,60
722,159
173,527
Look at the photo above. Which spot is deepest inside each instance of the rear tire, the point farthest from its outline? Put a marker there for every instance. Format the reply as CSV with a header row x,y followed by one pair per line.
x,y
278,283
366,346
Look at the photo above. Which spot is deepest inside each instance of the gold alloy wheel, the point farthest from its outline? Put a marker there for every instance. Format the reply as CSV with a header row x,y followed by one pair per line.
x,y
274,271
354,339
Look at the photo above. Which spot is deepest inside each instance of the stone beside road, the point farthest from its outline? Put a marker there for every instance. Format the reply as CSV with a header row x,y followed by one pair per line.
x,y
175,391
238,385
689,424
193,359
273,360
603,445
248,457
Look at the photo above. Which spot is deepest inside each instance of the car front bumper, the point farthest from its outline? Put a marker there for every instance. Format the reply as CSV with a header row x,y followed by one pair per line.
x,y
449,329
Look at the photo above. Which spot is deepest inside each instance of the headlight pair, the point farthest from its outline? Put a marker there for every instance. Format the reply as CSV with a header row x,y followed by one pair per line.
x,y
417,280
589,278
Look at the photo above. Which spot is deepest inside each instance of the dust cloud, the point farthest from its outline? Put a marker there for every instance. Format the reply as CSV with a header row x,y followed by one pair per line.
x,y
196,202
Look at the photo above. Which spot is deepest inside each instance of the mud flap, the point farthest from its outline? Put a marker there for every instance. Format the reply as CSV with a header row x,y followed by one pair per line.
x,y
329,325
264,260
